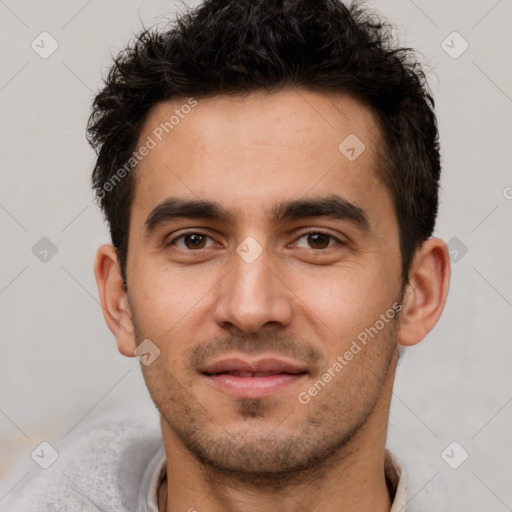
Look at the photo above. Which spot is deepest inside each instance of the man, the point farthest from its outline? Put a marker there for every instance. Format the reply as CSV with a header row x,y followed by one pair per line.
x,y
269,171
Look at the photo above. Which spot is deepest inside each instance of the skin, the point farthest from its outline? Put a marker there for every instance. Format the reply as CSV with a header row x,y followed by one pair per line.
x,y
303,299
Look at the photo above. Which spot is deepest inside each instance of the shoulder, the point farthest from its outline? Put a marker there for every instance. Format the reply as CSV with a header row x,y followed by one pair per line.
x,y
103,464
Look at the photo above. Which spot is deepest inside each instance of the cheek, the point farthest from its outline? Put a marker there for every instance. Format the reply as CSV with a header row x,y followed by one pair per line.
x,y
345,301
168,301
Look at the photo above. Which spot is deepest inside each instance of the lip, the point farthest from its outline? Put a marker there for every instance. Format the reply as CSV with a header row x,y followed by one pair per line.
x,y
242,381
261,365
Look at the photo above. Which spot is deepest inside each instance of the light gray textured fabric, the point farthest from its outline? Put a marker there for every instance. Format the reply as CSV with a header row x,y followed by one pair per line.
x,y
105,465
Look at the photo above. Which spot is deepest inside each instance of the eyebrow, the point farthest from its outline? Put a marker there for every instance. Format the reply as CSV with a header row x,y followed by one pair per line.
x,y
331,206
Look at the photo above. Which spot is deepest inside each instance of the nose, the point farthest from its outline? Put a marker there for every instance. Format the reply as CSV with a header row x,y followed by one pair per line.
x,y
253,296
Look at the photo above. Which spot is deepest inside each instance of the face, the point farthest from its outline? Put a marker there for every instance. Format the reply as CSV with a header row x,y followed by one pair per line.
x,y
264,263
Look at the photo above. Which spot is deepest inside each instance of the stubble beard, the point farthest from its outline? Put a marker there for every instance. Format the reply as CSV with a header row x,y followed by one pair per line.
x,y
260,450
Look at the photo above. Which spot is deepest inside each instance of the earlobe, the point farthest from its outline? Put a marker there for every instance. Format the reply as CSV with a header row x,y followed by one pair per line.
x,y
114,300
425,294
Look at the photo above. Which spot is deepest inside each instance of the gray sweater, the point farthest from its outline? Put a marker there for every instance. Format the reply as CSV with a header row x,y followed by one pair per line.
x,y
105,465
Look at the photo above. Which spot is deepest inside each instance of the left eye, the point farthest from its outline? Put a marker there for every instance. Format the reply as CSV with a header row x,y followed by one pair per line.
x,y
319,240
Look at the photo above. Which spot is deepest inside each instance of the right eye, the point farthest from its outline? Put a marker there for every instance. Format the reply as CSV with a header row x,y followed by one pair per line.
x,y
192,240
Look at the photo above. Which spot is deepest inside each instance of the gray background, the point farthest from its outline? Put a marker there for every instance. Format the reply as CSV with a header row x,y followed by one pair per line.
x,y
59,363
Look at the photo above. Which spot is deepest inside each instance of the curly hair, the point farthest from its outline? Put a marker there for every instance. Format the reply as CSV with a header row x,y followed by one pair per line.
x,y
241,46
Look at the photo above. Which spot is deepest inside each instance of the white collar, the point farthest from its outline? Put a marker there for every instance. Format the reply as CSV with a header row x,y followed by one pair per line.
x,y
396,474
154,484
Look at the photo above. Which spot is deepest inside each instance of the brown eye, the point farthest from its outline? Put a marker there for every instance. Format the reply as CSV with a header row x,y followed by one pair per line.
x,y
194,241
318,240
190,241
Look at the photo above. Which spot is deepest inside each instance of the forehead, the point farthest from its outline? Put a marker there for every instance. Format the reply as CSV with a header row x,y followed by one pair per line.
x,y
247,152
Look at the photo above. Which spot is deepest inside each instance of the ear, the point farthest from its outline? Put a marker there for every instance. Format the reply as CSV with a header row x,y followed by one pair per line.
x,y
426,292
114,300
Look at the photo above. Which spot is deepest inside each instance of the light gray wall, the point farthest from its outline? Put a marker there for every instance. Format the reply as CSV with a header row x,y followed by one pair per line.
x,y
59,362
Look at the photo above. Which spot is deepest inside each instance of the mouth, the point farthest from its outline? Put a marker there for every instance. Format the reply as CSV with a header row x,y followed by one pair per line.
x,y
253,379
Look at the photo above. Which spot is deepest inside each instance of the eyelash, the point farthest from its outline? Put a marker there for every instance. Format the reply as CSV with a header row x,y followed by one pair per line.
x,y
312,232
